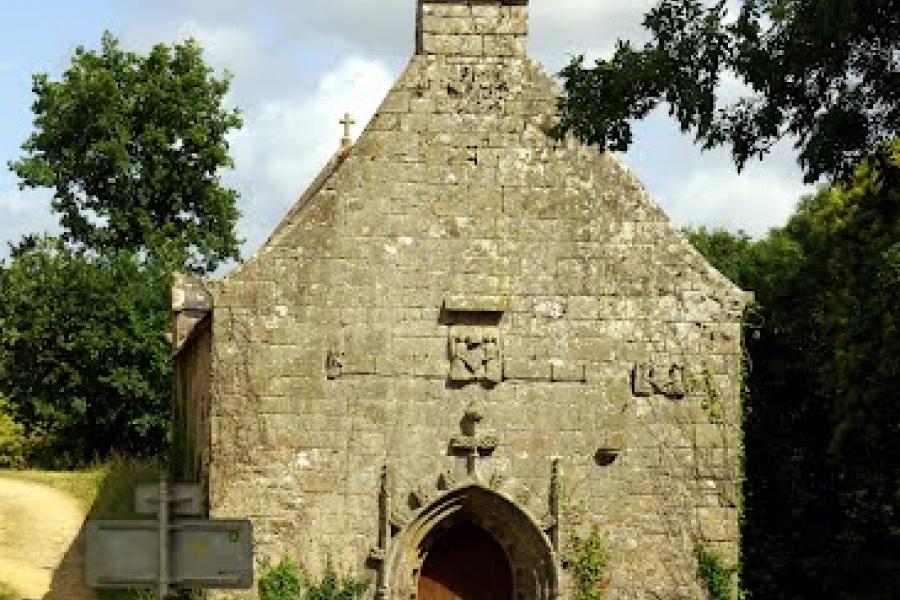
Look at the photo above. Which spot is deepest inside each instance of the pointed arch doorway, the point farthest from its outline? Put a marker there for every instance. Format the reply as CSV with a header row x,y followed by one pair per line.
x,y
471,543
466,563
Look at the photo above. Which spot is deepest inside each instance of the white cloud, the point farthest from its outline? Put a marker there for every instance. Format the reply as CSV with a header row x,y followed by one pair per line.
x,y
287,140
564,28
755,201
705,188
23,213
386,27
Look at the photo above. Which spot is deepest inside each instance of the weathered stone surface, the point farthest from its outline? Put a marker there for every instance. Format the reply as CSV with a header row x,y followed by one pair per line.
x,y
330,353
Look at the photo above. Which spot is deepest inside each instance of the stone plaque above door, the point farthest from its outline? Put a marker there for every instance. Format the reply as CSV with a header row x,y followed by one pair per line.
x,y
474,345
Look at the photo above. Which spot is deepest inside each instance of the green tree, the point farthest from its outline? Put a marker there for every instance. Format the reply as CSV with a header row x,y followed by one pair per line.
x,y
83,357
132,147
820,423
825,73
860,225
786,424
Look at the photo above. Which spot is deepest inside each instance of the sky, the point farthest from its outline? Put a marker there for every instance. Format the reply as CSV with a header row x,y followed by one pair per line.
x,y
299,65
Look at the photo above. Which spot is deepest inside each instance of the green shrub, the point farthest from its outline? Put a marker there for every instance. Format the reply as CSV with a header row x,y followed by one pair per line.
x,y
280,582
12,442
121,476
714,575
6,592
332,587
20,448
287,581
589,564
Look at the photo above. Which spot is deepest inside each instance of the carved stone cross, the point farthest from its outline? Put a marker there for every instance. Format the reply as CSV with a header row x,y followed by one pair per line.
x,y
347,122
470,444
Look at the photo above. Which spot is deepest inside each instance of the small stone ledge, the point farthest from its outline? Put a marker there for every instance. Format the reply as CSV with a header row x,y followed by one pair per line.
x,y
191,304
489,304
190,293
527,369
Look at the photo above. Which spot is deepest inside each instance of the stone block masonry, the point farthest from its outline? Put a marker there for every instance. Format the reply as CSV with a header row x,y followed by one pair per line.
x,y
465,324
473,29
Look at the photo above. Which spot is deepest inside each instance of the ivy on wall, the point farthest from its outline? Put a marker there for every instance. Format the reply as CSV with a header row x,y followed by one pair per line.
x,y
715,576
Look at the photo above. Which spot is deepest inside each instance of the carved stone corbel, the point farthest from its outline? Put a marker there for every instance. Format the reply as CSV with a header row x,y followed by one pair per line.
x,y
334,364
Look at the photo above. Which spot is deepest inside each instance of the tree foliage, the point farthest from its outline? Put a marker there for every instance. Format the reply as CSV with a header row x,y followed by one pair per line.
x,y
821,423
825,73
132,147
83,357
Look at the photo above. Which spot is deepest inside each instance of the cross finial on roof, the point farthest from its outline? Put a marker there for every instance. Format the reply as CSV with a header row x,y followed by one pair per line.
x,y
347,122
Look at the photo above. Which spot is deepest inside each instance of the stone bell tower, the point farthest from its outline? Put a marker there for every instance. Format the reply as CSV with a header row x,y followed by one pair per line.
x,y
473,28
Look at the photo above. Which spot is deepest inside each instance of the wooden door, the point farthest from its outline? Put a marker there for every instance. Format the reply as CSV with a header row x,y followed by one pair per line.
x,y
466,563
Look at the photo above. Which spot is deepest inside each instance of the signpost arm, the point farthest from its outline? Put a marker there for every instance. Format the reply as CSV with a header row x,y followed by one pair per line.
x,y
163,514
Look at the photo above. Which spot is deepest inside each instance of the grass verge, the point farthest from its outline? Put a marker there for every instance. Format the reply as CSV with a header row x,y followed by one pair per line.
x,y
105,491
81,485
6,592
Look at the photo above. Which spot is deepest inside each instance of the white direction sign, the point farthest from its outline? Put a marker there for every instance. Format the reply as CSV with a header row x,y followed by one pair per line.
x,y
184,499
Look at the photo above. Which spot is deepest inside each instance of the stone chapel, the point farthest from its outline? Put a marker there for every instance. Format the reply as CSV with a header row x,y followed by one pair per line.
x,y
465,348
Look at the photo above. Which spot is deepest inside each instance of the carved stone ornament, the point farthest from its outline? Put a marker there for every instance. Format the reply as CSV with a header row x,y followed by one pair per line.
x,y
647,380
334,364
551,521
473,445
475,357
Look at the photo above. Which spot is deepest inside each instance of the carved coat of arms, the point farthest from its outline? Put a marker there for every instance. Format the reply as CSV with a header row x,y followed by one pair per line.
x,y
475,358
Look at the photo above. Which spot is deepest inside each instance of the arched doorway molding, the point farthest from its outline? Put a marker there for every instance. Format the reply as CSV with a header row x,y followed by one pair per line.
x,y
535,569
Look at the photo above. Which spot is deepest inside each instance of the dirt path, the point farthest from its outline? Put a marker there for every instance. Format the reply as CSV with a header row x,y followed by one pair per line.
x,y
38,550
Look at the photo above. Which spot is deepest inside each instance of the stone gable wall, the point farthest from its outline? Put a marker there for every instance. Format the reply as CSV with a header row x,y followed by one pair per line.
x,y
452,216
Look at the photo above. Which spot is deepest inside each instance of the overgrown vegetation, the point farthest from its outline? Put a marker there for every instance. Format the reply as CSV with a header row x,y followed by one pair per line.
x,y
703,385
281,581
820,424
6,592
716,577
589,565
287,581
